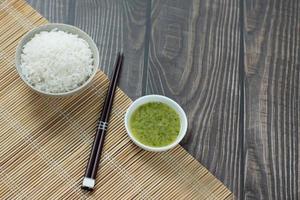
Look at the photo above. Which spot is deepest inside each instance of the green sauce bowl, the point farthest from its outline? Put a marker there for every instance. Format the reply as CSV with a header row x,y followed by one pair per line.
x,y
159,99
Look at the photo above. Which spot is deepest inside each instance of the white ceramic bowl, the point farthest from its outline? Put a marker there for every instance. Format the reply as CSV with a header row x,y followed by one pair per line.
x,y
157,98
66,28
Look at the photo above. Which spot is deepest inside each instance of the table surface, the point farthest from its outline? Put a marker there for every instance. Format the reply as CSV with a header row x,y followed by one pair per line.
x,y
234,66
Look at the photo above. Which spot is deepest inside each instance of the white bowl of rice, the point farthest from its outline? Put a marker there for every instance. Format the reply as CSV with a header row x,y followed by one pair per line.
x,y
57,59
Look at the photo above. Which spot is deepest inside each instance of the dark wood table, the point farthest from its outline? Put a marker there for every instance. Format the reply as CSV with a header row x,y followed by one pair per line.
x,y
233,65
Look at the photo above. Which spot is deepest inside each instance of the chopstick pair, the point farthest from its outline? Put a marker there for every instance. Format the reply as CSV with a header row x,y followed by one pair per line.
x,y
89,179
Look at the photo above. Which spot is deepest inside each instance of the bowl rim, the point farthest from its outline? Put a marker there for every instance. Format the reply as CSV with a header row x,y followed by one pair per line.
x,y
156,98
44,27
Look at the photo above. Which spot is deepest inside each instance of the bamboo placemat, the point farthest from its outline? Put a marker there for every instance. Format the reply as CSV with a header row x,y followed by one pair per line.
x,y
45,142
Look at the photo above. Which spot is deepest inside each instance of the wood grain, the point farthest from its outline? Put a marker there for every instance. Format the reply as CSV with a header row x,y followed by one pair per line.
x,y
272,89
114,25
117,25
55,10
194,59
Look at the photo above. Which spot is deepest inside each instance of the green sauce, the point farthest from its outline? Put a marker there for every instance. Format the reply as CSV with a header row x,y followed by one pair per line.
x,y
155,124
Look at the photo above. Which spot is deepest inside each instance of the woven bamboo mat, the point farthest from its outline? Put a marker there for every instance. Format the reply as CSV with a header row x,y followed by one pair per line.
x,y
45,142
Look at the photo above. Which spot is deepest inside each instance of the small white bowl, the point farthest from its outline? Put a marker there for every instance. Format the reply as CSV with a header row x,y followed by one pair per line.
x,y
68,29
157,98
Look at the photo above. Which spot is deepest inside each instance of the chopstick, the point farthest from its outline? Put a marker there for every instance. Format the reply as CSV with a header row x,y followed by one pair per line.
x,y
89,179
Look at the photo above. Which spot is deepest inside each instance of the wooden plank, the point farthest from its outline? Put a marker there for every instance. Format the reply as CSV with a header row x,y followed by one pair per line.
x,y
117,25
55,11
114,25
272,88
194,59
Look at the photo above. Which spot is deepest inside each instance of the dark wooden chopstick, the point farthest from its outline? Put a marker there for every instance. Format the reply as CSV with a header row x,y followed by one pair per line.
x,y
89,179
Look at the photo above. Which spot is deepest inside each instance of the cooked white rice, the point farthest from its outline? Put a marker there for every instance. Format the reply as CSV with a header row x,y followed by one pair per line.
x,y
56,61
